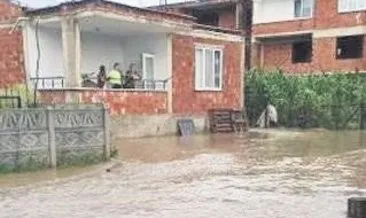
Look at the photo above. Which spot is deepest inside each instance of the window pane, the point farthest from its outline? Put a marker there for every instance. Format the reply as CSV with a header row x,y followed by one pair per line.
x,y
352,4
209,81
217,69
307,6
149,68
298,8
199,68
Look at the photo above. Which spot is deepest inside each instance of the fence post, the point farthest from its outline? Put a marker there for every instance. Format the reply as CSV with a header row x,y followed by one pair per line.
x,y
107,145
51,138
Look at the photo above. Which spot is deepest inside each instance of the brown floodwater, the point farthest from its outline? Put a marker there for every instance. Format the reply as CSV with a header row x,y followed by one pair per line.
x,y
279,174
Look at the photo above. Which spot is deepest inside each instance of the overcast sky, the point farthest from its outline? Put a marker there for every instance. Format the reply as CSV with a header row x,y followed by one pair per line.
x,y
44,3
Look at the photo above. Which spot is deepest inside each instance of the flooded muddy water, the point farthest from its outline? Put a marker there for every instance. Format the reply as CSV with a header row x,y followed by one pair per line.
x,y
275,174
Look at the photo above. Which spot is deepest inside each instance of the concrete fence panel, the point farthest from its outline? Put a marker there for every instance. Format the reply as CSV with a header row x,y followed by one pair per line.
x,y
53,136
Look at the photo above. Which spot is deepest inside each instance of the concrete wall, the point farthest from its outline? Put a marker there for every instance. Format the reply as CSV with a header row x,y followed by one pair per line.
x,y
51,56
156,44
152,126
47,137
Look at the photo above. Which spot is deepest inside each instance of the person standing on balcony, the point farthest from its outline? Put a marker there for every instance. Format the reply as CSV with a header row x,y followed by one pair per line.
x,y
102,77
115,77
132,76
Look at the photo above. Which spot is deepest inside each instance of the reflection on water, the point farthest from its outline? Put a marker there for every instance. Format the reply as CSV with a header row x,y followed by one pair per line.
x,y
272,174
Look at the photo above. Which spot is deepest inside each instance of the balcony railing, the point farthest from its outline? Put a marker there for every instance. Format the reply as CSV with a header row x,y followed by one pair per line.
x,y
48,82
90,82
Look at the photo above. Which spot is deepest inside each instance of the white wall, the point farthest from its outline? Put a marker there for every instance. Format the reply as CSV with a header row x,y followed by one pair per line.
x,y
51,61
266,11
155,44
98,49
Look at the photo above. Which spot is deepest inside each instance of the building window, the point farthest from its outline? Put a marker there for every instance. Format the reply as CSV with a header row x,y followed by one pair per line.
x,y
207,18
303,8
208,68
350,47
351,5
302,52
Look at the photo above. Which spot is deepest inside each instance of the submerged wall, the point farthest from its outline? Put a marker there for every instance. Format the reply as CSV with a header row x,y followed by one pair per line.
x,y
151,126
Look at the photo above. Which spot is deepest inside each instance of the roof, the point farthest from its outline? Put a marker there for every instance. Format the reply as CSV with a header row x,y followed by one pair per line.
x,y
79,4
197,4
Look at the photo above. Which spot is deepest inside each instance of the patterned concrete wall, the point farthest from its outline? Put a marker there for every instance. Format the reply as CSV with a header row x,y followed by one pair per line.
x,y
59,135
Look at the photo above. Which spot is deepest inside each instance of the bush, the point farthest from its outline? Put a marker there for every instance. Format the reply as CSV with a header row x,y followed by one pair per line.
x,y
321,100
21,90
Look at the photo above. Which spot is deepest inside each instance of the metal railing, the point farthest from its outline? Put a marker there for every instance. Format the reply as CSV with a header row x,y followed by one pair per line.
x,y
48,82
151,84
91,82
10,98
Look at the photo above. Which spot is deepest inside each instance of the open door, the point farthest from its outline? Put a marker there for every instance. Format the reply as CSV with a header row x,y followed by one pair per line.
x,y
148,70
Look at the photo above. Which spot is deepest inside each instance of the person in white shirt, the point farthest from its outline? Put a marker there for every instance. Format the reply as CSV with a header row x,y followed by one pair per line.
x,y
272,117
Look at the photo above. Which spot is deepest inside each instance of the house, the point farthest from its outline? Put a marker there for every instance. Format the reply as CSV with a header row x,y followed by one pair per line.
x,y
190,68
301,36
220,13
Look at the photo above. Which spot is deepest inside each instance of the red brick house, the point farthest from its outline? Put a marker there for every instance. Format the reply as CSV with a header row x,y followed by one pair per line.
x,y
302,36
190,68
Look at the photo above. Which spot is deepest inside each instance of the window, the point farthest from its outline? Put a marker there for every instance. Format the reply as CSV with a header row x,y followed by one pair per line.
x,y
302,52
208,68
148,69
350,47
351,5
207,18
303,8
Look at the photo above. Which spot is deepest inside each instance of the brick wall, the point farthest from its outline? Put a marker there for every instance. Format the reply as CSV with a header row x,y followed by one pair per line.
x,y
188,101
11,58
9,12
324,58
326,16
281,27
11,46
278,56
117,102
227,18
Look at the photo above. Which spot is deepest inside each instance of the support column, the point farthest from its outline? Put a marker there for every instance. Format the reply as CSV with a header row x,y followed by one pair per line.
x,y
256,54
170,73
71,51
239,16
242,76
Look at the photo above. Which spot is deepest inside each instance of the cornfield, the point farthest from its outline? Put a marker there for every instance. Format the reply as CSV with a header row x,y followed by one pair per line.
x,y
333,101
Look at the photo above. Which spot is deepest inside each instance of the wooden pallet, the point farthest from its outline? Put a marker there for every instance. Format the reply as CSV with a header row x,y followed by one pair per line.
x,y
227,121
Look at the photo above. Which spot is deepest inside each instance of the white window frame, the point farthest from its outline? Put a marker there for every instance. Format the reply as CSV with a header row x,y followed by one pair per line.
x,y
345,6
144,57
213,49
303,9
144,72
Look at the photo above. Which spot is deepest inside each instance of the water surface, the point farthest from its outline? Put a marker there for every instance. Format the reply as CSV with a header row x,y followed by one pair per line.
x,y
276,174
